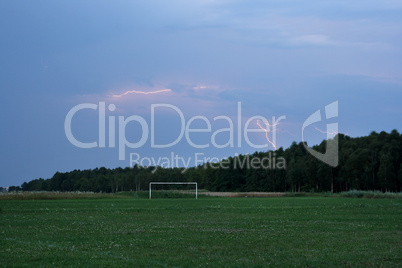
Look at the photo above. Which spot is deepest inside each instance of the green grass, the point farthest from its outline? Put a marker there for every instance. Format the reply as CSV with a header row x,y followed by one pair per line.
x,y
44,195
370,194
351,193
159,194
215,232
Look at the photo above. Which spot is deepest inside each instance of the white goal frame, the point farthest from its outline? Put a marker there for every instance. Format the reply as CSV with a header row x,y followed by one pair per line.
x,y
150,187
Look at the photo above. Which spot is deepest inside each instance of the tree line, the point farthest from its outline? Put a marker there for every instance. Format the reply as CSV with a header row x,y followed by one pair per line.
x,y
372,162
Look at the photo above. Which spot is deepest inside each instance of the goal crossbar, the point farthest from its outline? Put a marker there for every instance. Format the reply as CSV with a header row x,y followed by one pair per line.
x,y
194,183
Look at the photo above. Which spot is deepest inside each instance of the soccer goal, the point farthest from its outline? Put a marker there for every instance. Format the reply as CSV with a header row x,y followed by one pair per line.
x,y
194,183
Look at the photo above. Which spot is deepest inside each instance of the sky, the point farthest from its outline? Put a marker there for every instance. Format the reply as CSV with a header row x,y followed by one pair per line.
x,y
142,81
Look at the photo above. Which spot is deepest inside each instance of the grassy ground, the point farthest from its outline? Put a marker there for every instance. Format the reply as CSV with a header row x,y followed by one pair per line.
x,y
216,232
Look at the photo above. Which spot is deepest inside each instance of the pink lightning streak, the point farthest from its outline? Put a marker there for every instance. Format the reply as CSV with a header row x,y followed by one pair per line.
x,y
326,132
266,131
141,92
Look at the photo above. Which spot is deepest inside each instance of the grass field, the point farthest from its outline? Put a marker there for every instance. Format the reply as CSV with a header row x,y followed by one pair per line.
x,y
216,232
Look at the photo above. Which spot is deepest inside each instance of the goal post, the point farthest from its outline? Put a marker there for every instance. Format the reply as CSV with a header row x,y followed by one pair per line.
x,y
194,183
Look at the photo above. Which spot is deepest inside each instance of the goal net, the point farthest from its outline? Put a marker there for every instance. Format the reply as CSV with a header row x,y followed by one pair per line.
x,y
176,183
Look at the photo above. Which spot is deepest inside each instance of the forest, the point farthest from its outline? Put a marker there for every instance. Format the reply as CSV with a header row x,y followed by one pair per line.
x,y
371,163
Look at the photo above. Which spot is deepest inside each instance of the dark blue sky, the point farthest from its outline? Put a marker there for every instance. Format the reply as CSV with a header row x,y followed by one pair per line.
x,y
278,58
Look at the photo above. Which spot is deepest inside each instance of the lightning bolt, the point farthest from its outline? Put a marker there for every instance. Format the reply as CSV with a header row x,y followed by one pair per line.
x,y
266,131
331,133
142,92
326,132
